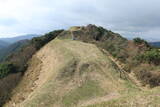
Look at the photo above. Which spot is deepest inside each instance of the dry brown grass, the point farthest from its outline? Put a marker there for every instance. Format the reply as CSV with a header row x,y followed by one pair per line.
x,y
66,72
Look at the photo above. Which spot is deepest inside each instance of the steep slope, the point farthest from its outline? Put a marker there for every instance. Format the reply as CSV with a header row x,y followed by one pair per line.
x,y
68,73
13,67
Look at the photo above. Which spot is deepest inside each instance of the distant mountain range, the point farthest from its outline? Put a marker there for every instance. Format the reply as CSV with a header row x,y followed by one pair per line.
x,y
156,44
18,38
10,45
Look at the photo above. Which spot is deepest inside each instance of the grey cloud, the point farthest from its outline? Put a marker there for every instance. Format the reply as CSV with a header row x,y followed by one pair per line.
x,y
130,18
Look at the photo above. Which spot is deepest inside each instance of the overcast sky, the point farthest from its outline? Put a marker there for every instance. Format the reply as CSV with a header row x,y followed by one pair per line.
x,y
131,18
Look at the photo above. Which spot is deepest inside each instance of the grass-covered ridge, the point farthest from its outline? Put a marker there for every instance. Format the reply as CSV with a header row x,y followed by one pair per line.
x,y
133,54
81,67
67,77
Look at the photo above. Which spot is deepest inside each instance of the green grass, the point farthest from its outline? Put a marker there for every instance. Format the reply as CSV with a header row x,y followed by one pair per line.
x,y
149,98
89,89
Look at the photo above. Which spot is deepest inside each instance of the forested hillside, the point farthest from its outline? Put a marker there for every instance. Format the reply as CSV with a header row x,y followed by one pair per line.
x,y
8,50
3,44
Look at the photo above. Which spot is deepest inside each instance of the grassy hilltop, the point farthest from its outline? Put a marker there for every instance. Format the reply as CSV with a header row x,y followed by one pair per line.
x,y
86,66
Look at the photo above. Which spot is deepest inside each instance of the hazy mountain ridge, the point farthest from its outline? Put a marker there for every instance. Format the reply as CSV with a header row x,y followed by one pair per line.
x,y
18,38
11,45
8,50
156,44
3,44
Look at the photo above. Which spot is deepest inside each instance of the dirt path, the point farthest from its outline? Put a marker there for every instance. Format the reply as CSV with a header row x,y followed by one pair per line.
x,y
99,100
137,82
130,76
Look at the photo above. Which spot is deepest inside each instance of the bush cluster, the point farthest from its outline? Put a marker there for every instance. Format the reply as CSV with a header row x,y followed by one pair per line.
x,y
6,68
140,41
152,57
148,77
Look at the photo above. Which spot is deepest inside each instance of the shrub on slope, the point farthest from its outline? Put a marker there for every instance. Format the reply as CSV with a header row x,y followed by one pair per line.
x,y
152,57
